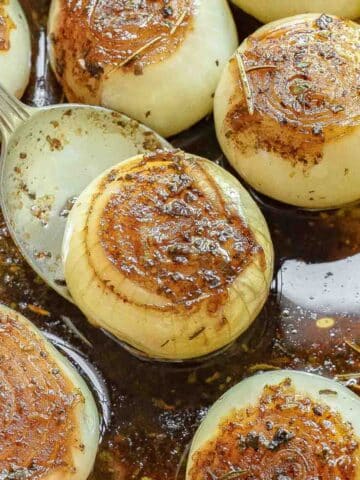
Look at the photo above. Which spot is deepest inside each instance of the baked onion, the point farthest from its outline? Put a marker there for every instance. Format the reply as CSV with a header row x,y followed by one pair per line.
x,y
280,425
157,61
15,48
289,123
49,426
266,11
170,254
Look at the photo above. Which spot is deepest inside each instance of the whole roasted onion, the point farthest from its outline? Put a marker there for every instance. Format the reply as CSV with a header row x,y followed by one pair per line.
x,y
49,425
287,111
279,425
170,254
159,62
267,11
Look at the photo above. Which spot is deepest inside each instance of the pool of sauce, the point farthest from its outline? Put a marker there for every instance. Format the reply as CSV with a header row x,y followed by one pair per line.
x,y
156,408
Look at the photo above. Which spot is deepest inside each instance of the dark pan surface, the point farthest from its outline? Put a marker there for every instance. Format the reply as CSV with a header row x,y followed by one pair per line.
x,y
154,409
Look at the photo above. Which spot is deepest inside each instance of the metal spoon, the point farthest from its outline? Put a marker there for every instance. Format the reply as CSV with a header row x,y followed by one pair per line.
x,y
48,157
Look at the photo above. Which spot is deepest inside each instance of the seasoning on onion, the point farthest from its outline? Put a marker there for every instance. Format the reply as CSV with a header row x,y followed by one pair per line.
x,y
159,62
15,48
170,254
267,11
297,137
280,425
49,426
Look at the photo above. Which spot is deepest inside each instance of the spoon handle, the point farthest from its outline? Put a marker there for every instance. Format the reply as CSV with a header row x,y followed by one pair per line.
x,y
12,113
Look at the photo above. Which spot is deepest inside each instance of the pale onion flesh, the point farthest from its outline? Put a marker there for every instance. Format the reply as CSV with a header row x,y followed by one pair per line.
x,y
171,312
16,55
287,423
49,421
167,86
267,11
297,137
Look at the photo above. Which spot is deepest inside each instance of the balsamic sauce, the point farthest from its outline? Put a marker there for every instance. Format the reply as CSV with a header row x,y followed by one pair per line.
x,y
156,408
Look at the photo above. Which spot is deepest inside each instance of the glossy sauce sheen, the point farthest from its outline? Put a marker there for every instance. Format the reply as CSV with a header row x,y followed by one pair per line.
x,y
36,408
6,24
285,436
307,91
91,36
156,408
168,229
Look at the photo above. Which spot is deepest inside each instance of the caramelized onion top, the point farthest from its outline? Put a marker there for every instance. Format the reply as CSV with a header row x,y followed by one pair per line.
x,y
37,424
167,227
6,24
286,435
304,77
91,35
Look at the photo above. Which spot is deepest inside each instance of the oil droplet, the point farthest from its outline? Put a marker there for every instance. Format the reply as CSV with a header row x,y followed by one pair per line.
x,y
325,322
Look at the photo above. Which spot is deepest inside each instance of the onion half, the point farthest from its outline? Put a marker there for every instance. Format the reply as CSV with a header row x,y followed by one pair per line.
x,y
15,47
295,134
49,425
282,424
266,11
157,63
170,254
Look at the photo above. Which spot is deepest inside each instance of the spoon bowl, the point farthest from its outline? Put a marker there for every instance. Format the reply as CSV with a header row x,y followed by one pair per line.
x,y
48,157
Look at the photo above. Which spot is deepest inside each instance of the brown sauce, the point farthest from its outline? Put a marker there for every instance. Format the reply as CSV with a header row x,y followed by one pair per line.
x,y
284,436
156,408
308,92
168,228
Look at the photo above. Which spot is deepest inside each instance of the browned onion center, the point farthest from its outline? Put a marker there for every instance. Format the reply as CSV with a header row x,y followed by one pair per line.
x,y
37,424
91,34
284,436
307,89
168,229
